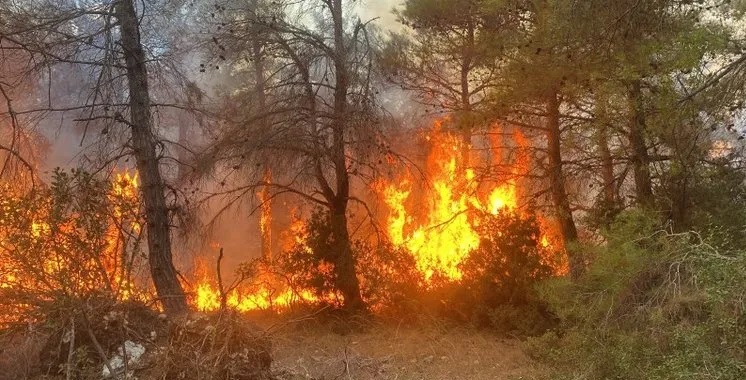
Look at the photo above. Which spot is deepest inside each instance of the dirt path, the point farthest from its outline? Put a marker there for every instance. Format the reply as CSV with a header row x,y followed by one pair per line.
x,y
401,353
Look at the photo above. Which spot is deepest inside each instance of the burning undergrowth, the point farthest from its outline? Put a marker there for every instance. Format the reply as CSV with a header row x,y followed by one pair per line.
x,y
79,237
73,300
457,242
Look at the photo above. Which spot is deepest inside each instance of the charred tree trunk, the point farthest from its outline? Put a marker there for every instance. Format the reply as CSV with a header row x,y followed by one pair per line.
x,y
557,184
345,263
466,124
265,223
344,260
156,212
640,157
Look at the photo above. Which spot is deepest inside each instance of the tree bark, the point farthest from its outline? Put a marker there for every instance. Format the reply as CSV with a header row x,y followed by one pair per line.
x,y
264,195
345,262
162,269
640,157
607,167
680,201
466,124
557,184
610,196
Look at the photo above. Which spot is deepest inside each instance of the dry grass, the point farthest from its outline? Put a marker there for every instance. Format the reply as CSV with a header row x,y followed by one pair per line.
x,y
19,355
399,352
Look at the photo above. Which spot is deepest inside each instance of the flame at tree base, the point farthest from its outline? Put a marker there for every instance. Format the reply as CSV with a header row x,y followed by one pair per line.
x,y
440,228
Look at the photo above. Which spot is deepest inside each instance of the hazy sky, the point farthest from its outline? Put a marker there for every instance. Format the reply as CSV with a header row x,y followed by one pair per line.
x,y
382,10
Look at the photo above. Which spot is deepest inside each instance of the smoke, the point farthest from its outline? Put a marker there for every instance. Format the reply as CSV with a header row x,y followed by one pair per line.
x,y
382,11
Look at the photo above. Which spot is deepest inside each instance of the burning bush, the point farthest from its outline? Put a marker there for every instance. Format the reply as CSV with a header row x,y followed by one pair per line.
x,y
508,262
387,274
498,278
77,239
495,288
308,264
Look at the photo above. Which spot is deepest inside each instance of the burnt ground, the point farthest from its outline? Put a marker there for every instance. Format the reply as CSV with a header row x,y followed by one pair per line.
x,y
401,353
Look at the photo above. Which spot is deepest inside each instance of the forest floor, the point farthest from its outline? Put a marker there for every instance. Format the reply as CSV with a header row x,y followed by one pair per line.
x,y
327,349
386,351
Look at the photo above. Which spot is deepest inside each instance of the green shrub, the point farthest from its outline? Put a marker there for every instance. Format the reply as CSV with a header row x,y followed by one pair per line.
x,y
652,305
497,287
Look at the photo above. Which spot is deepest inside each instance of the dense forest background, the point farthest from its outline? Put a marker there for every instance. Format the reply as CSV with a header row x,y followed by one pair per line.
x,y
567,173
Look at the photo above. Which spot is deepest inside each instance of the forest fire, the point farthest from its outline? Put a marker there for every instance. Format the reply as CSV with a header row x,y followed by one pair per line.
x,y
253,189
440,229
48,249
264,290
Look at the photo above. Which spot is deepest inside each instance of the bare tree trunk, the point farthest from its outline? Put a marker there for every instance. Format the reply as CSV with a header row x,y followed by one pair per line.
x,y
466,124
182,169
680,201
610,197
607,167
640,157
345,263
265,218
557,184
159,240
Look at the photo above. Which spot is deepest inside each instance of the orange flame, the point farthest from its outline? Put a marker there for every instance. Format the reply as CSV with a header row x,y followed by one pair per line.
x,y
441,233
105,256
265,291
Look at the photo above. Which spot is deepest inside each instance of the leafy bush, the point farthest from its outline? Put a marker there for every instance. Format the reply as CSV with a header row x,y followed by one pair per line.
x,y
388,275
653,305
509,260
497,288
719,205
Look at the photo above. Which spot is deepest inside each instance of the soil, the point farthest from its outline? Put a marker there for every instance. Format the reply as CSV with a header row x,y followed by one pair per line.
x,y
401,353
311,349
